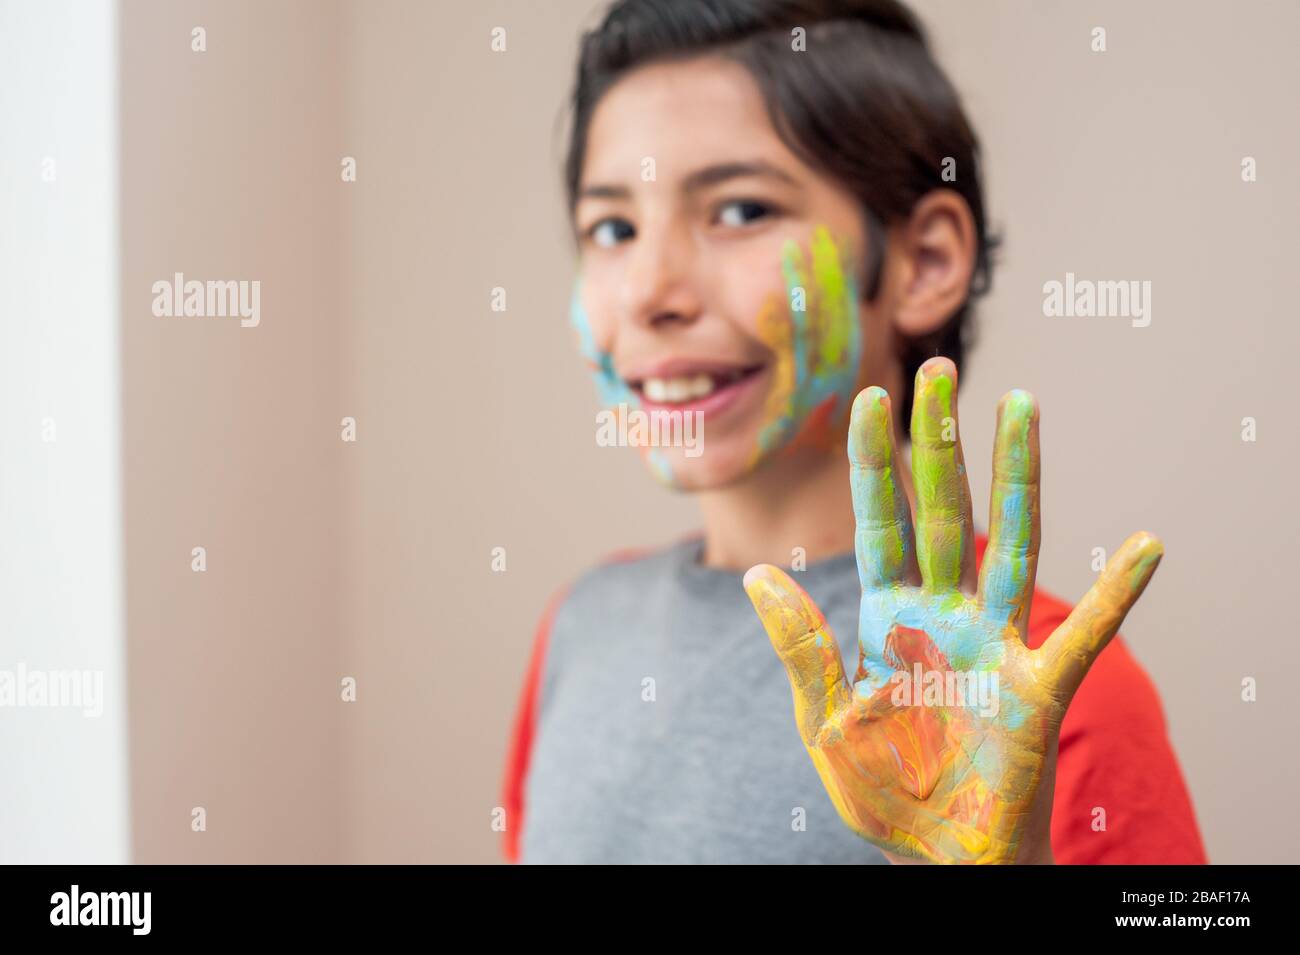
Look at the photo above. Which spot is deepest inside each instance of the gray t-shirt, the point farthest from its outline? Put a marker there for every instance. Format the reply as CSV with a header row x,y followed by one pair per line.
x,y
665,730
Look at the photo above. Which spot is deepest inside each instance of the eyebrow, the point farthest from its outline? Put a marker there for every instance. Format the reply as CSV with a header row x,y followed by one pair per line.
x,y
700,179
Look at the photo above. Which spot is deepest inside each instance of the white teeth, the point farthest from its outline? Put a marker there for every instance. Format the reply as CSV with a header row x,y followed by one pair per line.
x,y
678,389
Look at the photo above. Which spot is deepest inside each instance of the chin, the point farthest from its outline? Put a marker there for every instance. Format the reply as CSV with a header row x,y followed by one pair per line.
x,y
715,466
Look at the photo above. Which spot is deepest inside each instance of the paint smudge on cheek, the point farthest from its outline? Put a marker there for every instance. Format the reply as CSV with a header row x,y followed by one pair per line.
x,y
613,391
817,340
777,331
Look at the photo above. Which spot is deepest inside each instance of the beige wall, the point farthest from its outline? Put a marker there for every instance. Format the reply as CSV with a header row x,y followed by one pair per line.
x,y
230,171
1127,165
371,559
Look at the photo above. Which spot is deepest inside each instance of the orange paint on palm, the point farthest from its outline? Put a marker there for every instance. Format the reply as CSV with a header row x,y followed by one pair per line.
x,y
915,736
918,743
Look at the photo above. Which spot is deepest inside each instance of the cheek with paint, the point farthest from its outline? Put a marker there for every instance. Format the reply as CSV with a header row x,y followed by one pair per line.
x,y
817,340
612,390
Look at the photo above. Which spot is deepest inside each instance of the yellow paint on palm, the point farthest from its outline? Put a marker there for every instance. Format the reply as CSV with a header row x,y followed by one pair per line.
x,y
946,781
943,783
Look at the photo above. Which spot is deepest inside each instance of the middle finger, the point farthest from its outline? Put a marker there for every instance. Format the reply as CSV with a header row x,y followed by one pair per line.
x,y
945,545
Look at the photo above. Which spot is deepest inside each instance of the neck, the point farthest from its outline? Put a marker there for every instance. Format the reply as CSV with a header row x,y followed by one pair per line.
x,y
793,501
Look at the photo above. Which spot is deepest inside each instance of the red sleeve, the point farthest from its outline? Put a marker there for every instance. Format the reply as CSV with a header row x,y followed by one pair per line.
x,y
521,734
1115,755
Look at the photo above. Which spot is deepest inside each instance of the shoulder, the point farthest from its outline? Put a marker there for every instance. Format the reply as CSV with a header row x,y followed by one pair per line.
x,y
616,587
616,579
618,583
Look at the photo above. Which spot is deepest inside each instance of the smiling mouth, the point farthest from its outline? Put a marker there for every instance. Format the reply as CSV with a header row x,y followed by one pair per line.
x,y
683,389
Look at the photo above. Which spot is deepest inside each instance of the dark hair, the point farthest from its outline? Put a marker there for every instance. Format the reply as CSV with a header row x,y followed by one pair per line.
x,y
866,104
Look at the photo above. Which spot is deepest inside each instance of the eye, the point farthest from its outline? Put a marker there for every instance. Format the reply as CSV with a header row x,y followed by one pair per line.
x,y
610,232
740,212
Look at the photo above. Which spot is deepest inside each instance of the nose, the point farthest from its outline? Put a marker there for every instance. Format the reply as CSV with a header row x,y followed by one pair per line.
x,y
660,290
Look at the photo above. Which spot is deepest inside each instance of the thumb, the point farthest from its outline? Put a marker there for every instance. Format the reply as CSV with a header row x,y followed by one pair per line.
x,y
1076,643
804,643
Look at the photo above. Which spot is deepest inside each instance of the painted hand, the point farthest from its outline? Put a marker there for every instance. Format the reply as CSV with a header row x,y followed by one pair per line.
x,y
943,749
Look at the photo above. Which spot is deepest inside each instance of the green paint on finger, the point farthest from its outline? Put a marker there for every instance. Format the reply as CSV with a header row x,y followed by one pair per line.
x,y
1144,568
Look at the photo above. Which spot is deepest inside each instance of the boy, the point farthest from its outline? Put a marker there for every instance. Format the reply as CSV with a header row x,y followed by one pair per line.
x,y
780,218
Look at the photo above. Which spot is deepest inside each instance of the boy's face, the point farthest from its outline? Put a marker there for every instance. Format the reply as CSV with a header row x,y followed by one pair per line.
x,y
718,274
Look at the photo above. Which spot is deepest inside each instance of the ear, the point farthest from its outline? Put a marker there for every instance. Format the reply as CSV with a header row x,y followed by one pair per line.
x,y
932,259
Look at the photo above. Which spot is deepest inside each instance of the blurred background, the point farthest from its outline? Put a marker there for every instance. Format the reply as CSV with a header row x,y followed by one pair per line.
x,y
131,440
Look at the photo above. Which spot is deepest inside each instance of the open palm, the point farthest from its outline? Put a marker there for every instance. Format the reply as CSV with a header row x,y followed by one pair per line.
x,y
940,747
